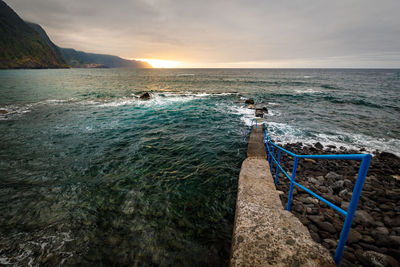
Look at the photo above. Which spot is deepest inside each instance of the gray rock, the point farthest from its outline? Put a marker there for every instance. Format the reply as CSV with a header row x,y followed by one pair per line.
x,y
338,185
382,230
348,183
326,226
330,243
367,239
343,193
249,101
363,217
395,240
373,258
345,205
333,176
312,180
145,96
354,236
318,145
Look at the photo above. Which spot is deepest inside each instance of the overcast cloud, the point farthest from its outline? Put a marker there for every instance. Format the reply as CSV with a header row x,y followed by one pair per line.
x,y
211,33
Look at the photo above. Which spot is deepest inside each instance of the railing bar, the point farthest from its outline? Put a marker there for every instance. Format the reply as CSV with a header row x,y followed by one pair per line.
x,y
330,204
290,196
277,169
362,173
334,156
280,167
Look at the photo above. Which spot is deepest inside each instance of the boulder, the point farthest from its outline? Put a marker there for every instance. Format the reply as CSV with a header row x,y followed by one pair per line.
x,y
251,106
249,101
373,258
259,113
333,176
318,145
3,111
145,96
354,236
363,217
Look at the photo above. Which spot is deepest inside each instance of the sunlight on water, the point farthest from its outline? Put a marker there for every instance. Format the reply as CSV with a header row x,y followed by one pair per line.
x,y
93,175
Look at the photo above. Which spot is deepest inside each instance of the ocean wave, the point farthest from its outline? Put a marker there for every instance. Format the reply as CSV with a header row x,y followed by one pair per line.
x,y
285,133
307,91
14,111
157,99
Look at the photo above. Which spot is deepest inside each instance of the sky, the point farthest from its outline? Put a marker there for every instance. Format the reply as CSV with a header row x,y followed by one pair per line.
x,y
230,34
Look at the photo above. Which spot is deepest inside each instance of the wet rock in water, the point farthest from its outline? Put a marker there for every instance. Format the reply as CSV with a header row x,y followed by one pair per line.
x,y
259,113
145,96
249,101
265,109
251,106
3,111
318,145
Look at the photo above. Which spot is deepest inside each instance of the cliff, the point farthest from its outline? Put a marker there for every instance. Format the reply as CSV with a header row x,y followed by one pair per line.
x,y
23,47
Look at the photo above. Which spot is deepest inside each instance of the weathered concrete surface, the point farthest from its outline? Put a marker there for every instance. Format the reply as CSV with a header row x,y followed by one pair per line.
x,y
256,143
264,233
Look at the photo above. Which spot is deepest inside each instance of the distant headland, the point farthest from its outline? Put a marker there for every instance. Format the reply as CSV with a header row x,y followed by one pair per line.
x,y
26,45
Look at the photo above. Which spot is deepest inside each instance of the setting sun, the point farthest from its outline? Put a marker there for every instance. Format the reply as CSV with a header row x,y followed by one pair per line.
x,y
160,63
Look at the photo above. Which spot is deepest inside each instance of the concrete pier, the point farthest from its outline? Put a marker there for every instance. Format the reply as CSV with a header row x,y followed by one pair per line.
x,y
264,233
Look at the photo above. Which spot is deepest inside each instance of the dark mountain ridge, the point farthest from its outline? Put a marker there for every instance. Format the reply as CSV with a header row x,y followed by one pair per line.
x,y
23,47
27,45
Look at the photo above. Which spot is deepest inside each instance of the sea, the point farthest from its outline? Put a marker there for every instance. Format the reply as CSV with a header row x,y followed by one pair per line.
x,y
92,175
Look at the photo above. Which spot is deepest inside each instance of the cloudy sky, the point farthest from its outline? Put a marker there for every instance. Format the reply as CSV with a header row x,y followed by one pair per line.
x,y
234,33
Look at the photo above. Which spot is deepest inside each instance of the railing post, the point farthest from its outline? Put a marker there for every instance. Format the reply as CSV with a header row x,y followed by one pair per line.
x,y
272,158
277,168
362,173
289,202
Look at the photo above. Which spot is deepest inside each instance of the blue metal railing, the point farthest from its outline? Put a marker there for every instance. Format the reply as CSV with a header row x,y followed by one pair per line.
x,y
349,214
251,126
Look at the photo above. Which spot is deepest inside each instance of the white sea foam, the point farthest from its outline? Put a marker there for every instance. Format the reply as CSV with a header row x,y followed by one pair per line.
x,y
14,111
273,104
307,91
285,133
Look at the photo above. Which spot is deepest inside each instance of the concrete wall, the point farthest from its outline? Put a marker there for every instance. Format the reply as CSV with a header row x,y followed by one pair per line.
x,y
264,233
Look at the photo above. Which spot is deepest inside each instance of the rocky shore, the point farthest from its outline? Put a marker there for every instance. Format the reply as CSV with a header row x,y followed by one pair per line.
x,y
374,239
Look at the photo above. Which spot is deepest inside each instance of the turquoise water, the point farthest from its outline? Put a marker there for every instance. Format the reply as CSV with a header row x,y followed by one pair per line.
x,y
92,175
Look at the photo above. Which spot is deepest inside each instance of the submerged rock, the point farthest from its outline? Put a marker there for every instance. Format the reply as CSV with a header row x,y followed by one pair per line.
x,y
145,96
318,145
259,113
249,101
